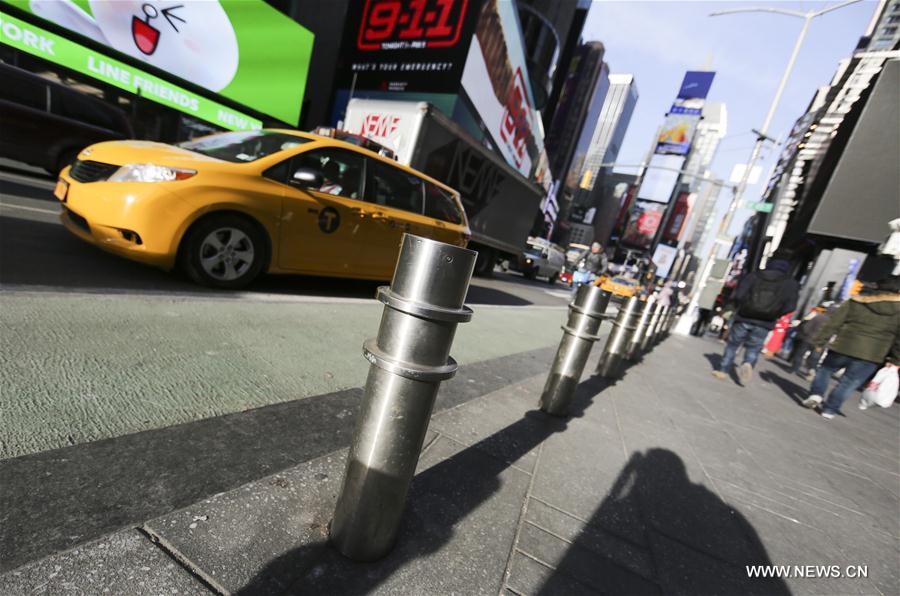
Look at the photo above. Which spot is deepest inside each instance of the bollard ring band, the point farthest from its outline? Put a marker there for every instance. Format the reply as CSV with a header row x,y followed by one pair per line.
x,y
580,335
591,313
410,370
422,310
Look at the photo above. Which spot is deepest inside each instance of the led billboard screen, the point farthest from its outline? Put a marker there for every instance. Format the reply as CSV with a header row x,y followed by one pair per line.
x,y
406,45
59,50
244,50
679,128
497,84
660,178
696,84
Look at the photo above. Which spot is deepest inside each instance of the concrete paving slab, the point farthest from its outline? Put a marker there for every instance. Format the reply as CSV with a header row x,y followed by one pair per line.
x,y
586,566
121,563
58,499
528,576
595,538
230,538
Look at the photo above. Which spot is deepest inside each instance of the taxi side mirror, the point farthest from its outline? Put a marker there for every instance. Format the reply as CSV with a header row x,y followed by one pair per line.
x,y
307,178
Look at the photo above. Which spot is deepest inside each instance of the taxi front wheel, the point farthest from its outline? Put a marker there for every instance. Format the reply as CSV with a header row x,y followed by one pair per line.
x,y
224,251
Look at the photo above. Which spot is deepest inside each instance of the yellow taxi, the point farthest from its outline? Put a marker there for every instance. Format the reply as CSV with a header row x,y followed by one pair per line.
x,y
618,285
229,206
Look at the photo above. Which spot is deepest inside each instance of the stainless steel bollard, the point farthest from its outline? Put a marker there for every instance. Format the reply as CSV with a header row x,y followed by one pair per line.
x,y
633,350
647,340
580,333
614,353
660,323
409,359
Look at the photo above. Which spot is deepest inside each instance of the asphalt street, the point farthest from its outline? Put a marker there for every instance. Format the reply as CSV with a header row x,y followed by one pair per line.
x,y
37,253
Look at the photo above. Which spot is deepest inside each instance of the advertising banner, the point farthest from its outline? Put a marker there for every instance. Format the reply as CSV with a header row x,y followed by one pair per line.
x,y
59,50
680,211
696,84
679,127
664,258
660,178
394,124
417,46
495,79
643,223
244,50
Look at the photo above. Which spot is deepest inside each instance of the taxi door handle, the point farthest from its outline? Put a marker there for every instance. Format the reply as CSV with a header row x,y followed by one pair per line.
x,y
379,216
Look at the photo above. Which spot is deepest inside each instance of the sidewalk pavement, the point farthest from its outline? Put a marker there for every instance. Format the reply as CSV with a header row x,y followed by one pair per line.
x,y
667,481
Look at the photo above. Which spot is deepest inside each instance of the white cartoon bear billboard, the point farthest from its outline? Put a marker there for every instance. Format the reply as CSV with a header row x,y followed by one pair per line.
x,y
191,39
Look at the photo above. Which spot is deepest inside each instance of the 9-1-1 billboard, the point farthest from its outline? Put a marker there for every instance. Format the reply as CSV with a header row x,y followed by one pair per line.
x,y
414,46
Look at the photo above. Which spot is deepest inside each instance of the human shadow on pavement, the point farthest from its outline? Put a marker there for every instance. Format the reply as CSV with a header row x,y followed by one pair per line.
x,y
440,499
794,391
658,532
714,360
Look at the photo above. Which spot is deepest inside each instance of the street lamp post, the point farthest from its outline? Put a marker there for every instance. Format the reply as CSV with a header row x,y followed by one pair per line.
x,y
762,133
761,137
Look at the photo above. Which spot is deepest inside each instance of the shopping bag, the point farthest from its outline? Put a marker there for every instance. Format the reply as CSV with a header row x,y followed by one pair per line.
x,y
882,389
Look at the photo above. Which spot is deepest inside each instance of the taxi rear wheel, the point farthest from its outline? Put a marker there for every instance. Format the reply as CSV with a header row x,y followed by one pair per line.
x,y
224,251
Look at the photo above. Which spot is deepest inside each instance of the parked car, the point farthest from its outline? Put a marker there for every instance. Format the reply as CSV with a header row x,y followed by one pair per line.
x,y
228,206
540,258
46,124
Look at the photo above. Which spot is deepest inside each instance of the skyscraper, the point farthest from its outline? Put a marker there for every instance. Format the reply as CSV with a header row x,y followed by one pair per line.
x,y
594,202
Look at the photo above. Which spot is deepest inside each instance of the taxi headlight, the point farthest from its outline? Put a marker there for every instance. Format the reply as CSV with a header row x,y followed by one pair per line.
x,y
148,172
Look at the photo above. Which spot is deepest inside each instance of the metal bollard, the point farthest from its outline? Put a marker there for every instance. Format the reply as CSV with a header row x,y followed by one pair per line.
x,y
647,340
614,352
633,350
409,359
580,333
656,335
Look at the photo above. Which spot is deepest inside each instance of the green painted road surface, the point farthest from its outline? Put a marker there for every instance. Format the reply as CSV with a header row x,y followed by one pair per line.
x,y
76,368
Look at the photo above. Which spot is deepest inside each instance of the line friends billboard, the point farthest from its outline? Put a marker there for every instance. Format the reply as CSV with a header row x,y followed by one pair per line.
x,y
244,50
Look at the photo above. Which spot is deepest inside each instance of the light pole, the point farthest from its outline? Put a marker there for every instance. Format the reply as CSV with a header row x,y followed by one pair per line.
x,y
761,137
762,133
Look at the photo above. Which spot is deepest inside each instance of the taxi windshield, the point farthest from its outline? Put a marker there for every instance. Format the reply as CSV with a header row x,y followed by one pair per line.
x,y
240,147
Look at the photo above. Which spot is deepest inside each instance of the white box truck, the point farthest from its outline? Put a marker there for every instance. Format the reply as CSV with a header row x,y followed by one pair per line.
x,y
500,203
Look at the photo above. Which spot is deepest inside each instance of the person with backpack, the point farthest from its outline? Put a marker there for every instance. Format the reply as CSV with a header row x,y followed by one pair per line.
x,y
762,297
866,332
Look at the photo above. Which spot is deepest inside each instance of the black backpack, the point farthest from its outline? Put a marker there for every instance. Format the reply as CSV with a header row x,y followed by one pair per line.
x,y
765,299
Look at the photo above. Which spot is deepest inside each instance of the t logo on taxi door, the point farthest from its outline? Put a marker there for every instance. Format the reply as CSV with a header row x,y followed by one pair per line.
x,y
329,220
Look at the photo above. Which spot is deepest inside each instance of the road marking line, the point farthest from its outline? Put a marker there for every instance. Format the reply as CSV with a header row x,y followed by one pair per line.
x,y
51,212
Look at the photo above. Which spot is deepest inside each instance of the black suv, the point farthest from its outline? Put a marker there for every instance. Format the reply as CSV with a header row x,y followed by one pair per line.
x,y
46,124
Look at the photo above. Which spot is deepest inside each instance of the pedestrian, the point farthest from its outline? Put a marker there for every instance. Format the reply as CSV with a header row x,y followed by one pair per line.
x,y
590,265
666,295
777,336
805,358
761,298
866,333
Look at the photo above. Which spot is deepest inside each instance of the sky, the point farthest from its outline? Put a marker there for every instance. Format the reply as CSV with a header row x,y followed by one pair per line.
x,y
657,41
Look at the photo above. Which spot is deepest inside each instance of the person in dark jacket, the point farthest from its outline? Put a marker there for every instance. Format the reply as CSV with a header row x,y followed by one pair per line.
x,y
593,260
866,332
762,298
803,341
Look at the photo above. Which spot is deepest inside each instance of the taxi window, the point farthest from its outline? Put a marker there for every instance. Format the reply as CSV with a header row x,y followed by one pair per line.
x,y
441,205
392,187
342,171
